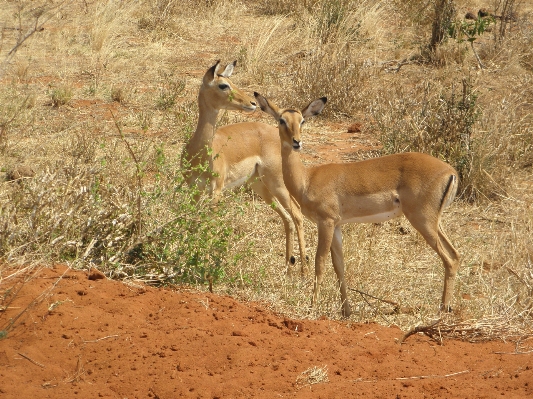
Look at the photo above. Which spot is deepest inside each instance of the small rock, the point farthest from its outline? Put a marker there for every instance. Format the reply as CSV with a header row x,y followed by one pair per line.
x,y
293,325
19,172
354,128
483,12
95,274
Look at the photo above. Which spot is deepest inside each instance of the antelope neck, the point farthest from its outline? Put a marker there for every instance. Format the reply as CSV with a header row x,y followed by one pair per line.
x,y
294,173
205,129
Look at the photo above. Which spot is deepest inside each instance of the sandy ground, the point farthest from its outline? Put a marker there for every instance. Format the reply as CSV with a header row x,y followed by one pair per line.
x,y
85,338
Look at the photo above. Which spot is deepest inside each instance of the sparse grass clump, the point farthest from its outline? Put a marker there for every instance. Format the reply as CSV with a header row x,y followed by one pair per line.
x,y
313,375
171,88
331,62
118,95
13,106
340,78
60,95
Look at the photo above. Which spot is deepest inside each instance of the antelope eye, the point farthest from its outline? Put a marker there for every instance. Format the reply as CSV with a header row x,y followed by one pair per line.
x,y
223,86
302,122
282,122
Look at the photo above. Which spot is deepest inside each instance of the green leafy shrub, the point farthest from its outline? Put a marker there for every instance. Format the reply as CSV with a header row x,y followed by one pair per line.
x,y
131,218
470,31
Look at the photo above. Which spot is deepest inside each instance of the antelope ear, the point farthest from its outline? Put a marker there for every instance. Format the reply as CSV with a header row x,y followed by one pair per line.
x,y
210,74
267,106
314,108
229,69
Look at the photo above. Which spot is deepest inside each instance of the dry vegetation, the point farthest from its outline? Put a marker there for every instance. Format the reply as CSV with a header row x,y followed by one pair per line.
x,y
98,100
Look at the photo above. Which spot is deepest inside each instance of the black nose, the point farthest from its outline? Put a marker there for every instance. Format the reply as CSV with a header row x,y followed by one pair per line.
x,y
296,144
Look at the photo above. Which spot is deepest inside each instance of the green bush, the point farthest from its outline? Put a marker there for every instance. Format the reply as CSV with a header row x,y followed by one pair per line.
x,y
130,217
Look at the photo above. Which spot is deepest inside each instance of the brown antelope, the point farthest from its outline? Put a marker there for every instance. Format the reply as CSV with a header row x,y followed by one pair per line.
x,y
240,153
416,185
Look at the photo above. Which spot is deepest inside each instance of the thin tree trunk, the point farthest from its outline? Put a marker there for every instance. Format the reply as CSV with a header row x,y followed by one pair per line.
x,y
444,15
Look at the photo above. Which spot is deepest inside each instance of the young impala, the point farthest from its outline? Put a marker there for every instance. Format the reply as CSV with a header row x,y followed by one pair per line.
x,y
416,185
240,153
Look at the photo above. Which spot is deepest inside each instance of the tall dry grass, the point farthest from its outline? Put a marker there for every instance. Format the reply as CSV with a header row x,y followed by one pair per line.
x,y
97,189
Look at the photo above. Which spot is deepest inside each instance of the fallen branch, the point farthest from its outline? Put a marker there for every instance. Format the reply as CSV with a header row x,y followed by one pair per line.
x,y
491,328
425,329
31,360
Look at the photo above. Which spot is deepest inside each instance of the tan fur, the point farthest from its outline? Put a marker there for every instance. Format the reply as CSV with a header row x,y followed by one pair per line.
x,y
416,185
241,153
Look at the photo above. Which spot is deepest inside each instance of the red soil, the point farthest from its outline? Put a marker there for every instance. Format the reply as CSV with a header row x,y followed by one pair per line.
x,y
86,338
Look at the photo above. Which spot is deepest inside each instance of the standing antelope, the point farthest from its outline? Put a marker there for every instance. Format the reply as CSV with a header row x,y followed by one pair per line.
x,y
240,153
371,191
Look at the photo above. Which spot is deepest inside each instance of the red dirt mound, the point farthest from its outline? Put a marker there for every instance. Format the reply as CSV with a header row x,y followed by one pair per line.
x,y
98,338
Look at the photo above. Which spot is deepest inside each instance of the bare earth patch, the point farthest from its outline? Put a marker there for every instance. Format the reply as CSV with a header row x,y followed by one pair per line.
x,y
92,338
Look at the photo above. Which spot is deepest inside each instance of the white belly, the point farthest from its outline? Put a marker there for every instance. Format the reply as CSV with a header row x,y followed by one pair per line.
x,y
239,173
236,183
376,218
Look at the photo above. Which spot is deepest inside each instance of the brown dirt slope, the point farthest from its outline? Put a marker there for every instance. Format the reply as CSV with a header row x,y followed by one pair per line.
x,y
102,338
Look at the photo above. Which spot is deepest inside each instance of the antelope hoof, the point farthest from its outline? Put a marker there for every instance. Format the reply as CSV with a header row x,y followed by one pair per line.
x,y
292,260
346,312
446,308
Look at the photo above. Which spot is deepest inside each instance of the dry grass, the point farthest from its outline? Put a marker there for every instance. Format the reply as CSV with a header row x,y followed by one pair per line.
x,y
313,375
141,62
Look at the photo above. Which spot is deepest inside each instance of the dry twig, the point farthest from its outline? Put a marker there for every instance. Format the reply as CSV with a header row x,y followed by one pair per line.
x,y
422,377
31,360
37,26
79,371
100,339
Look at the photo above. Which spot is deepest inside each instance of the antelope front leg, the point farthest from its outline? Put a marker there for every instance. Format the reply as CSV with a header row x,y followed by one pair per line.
x,y
297,217
325,236
289,234
337,258
451,260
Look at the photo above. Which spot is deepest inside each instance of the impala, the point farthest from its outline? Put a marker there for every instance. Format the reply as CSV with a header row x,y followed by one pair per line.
x,y
416,185
240,153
